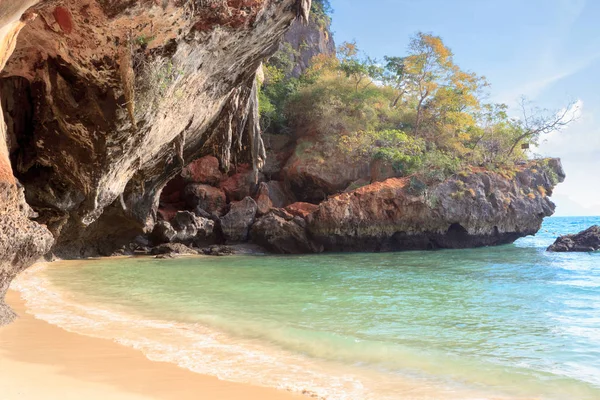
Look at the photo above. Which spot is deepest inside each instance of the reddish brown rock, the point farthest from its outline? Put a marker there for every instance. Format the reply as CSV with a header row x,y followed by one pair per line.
x,y
272,194
203,170
302,210
167,212
476,209
208,198
241,184
64,19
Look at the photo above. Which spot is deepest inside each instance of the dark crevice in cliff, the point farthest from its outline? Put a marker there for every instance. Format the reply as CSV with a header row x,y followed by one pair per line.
x,y
18,109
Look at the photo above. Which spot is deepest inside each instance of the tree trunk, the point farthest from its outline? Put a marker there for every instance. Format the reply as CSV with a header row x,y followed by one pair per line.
x,y
514,146
419,112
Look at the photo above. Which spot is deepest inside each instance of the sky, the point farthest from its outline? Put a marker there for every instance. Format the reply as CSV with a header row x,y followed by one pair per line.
x,y
546,50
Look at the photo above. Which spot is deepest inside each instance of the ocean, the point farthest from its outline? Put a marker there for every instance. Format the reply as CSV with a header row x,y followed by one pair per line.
x,y
509,322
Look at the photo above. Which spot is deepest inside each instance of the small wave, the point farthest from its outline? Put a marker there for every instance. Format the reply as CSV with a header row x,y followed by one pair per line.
x,y
204,350
190,346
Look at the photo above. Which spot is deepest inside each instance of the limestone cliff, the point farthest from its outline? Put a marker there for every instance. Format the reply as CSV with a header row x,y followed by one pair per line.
x,y
123,95
307,41
22,241
107,101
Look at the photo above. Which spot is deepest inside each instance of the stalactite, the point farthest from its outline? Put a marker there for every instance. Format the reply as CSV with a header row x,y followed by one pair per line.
x,y
259,154
304,10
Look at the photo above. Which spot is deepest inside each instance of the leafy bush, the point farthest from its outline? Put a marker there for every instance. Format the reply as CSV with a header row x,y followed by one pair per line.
x,y
320,12
419,113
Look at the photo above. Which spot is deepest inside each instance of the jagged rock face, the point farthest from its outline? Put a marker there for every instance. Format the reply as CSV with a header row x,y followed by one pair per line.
x,y
282,232
308,41
191,229
272,194
241,185
477,209
208,198
22,241
124,94
203,170
237,222
583,242
314,174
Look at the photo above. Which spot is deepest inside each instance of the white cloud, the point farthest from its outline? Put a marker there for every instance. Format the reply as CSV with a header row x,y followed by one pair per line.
x,y
545,80
578,146
580,138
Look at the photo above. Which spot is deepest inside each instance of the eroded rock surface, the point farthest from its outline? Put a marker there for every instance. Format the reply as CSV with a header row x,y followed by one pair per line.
x,y
203,170
191,229
22,241
282,232
314,174
237,222
208,198
272,194
583,242
173,249
125,95
478,209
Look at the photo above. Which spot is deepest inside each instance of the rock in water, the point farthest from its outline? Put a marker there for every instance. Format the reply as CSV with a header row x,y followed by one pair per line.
x,y
219,251
173,249
586,241
474,209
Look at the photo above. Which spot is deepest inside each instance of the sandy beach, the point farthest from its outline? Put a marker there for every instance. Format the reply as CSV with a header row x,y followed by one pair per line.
x,y
40,361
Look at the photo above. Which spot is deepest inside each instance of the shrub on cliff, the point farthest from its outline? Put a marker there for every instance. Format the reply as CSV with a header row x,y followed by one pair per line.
x,y
320,12
420,112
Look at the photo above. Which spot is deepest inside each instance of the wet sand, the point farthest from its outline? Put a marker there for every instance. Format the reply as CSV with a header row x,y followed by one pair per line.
x,y
42,361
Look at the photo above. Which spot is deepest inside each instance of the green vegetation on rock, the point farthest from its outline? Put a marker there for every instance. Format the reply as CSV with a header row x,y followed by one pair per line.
x,y
419,113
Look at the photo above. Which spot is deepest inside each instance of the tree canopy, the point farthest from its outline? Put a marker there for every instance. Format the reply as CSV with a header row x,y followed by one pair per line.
x,y
418,111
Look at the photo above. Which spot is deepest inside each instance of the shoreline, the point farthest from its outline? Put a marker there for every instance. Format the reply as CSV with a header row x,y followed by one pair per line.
x,y
41,360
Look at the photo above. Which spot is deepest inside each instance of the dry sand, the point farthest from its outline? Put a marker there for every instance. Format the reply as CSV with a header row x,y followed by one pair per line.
x,y
39,361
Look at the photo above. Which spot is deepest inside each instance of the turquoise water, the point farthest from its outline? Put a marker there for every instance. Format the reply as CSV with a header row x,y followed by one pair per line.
x,y
504,322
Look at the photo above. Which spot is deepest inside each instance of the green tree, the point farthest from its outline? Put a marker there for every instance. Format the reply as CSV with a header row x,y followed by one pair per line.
x,y
360,70
394,76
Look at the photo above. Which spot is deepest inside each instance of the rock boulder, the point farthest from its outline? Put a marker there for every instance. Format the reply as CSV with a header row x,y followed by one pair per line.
x,y
282,232
191,229
203,170
173,249
473,209
208,198
586,241
237,222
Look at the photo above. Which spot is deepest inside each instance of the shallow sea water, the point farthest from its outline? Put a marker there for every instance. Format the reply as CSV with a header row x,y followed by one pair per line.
x,y
508,322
